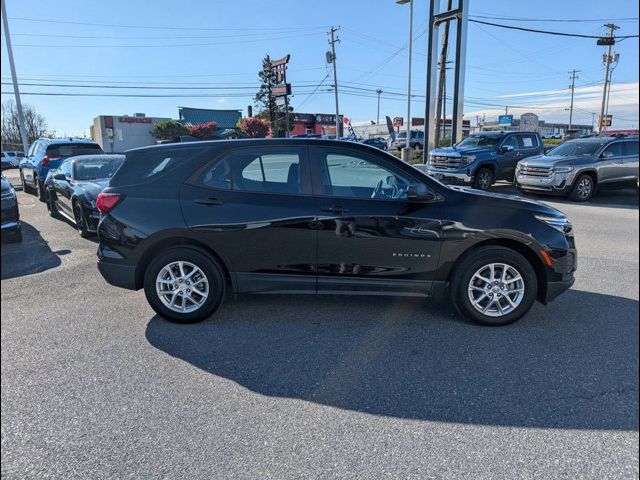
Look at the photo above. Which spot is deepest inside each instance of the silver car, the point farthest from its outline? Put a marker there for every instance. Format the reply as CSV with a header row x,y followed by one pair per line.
x,y
580,167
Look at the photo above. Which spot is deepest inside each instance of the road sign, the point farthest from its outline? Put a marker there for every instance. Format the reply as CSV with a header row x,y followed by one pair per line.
x,y
281,90
608,120
505,120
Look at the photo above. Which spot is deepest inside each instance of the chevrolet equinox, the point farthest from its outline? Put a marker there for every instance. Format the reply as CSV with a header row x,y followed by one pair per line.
x,y
189,222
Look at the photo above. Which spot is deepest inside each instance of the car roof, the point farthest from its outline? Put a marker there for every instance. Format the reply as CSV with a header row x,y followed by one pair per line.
x,y
246,142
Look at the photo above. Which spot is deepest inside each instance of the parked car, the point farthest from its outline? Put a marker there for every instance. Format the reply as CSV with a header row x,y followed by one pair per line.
x,y
11,158
481,159
571,134
189,222
417,140
48,153
11,229
579,168
73,187
380,143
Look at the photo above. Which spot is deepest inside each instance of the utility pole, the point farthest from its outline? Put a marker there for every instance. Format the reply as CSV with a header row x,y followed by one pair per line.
x,y
572,87
333,40
506,109
16,90
442,79
406,151
607,64
379,92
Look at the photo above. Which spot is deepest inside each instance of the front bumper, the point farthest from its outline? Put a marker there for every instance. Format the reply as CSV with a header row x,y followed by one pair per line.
x,y
558,184
554,289
450,176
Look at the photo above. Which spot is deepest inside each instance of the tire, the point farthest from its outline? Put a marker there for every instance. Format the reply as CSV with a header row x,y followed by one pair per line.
x,y
213,276
51,206
466,284
25,188
80,220
583,188
41,193
484,178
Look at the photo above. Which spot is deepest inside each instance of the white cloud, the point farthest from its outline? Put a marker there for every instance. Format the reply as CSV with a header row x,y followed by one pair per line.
x,y
222,100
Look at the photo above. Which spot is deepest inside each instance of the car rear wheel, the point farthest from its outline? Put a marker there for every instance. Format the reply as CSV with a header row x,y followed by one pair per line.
x,y
484,179
80,220
41,193
494,286
51,206
583,189
184,285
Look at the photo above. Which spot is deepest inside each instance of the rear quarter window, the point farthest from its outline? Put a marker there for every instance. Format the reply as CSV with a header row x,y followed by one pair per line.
x,y
148,165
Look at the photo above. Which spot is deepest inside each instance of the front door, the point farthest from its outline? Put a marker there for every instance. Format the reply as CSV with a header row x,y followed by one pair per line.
x,y
254,208
371,239
508,159
610,166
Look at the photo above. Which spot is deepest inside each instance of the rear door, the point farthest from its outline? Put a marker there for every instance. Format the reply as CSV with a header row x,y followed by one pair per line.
x,y
630,160
253,206
371,238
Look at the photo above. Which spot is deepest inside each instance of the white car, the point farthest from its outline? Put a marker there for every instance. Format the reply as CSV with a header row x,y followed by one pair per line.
x,y
12,157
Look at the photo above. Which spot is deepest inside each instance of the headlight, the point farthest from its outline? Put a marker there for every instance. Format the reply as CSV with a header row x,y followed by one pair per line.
x,y
562,169
562,224
467,160
9,194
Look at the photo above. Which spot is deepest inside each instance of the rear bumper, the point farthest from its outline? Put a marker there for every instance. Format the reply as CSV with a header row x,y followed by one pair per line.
x,y
118,275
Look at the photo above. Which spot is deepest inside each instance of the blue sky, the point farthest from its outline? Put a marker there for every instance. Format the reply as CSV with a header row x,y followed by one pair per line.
x,y
215,49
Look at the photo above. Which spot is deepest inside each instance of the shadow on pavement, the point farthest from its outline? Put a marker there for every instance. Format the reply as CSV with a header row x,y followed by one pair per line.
x,y
32,255
573,364
625,198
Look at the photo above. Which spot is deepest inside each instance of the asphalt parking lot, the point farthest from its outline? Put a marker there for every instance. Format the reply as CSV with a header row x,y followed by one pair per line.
x,y
94,385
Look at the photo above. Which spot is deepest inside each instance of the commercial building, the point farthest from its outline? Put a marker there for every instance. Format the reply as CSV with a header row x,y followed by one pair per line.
x,y
115,134
371,129
530,122
314,124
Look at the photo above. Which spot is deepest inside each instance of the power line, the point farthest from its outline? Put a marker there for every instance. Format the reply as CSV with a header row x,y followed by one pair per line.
x,y
574,20
563,34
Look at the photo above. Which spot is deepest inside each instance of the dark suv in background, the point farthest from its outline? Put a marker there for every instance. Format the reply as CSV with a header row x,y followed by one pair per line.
x,y
187,222
578,168
481,159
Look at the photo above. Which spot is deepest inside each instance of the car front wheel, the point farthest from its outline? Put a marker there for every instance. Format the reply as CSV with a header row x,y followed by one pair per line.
x,y
184,285
583,189
494,286
484,179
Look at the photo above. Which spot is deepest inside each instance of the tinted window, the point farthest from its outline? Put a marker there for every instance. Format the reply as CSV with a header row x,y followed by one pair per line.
x,y
72,149
577,148
615,150
511,141
348,175
144,165
527,141
631,148
479,141
97,167
269,170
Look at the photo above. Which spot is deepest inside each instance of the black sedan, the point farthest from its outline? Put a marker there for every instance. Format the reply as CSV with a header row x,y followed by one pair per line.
x,y
71,190
11,230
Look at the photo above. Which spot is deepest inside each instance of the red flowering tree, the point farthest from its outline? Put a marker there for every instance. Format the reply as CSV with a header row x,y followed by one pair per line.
x,y
203,131
255,127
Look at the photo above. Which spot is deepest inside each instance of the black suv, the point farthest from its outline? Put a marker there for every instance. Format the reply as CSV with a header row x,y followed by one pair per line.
x,y
189,222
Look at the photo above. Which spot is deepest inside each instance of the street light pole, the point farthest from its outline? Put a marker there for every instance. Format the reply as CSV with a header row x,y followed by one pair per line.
x,y
379,92
16,90
406,153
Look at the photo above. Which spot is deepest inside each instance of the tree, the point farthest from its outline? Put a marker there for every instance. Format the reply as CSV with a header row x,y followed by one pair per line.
x,y
204,131
254,127
169,130
35,124
266,102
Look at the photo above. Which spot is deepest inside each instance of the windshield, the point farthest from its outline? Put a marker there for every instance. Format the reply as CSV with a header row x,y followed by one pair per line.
x,y
97,168
479,141
577,148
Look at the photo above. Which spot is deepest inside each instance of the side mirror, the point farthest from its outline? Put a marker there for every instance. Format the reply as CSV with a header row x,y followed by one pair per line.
x,y
59,176
505,149
418,192
607,154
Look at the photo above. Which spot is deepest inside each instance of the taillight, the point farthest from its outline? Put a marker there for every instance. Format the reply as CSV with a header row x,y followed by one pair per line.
x,y
106,201
46,159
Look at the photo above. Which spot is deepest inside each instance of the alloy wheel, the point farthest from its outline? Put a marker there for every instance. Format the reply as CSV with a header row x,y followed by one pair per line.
x,y
182,287
484,182
585,188
496,289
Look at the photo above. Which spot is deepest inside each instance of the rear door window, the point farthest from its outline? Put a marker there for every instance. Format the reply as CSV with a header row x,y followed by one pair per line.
x,y
145,165
614,150
73,149
528,141
631,148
